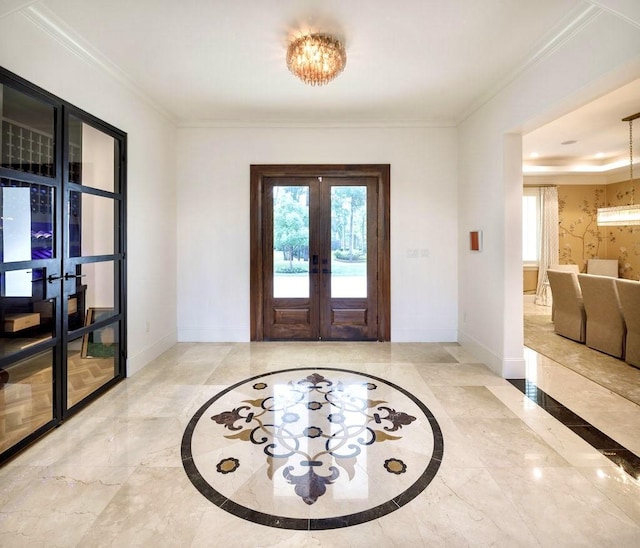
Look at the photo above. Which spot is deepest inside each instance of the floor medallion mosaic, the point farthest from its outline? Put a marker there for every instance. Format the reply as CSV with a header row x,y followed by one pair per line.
x,y
312,448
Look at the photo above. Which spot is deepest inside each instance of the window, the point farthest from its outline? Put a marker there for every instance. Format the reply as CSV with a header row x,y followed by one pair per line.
x,y
530,226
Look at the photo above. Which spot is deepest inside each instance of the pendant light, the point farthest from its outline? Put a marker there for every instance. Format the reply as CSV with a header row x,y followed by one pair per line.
x,y
627,214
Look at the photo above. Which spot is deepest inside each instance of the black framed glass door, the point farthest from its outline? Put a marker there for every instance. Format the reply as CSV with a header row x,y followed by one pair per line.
x,y
93,258
62,276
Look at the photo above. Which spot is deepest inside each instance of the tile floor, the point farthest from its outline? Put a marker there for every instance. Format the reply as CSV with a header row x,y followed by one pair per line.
x,y
510,474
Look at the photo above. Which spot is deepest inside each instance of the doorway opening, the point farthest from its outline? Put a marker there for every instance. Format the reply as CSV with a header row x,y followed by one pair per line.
x,y
320,267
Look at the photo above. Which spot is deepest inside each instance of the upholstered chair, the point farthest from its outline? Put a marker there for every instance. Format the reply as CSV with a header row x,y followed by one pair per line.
x,y
603,267
606,329
568,267
629,292
569,317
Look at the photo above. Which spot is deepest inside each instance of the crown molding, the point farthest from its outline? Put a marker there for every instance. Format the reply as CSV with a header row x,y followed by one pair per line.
x,y
618,168
578,20
627,10
56,28
319,124
11,6
564,179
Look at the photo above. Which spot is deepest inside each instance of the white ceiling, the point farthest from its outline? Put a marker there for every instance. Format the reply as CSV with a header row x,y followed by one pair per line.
x,y
410,62
426,61
591,139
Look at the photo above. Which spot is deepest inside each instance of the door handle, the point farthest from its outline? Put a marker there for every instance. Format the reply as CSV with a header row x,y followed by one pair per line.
x,y
326,269
53,277
68,276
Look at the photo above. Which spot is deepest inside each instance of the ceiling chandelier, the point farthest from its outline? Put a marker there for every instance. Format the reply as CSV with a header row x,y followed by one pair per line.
x,y
627,214
316,58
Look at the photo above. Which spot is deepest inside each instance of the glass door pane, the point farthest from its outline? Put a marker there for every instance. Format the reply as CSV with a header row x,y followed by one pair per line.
x,y
291,242
92,266
28,138
92,360
348,241
93,350
27,221
289,273
26,398
92,157
28,256
348,296
26,312
28,234
91,225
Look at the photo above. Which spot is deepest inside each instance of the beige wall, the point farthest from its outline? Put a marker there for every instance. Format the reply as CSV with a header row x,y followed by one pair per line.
x,y
530,280
581,239
623,242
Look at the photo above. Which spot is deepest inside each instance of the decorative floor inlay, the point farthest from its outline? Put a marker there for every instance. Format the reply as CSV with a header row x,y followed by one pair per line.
x,y
312,448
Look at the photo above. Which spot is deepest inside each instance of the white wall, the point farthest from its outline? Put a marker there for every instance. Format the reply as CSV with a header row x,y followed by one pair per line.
x,y
28,51
435,199
213,221
598,58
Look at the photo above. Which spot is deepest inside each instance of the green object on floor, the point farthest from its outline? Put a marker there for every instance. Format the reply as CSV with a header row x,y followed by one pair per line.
x,y
99,350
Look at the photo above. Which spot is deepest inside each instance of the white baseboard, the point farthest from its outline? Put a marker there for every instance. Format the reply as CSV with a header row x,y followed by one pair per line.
x,y
213,334
422,335
513,368
139,361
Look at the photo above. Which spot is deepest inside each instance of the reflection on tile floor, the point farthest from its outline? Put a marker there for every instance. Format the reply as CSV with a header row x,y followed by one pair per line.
x,y
511,474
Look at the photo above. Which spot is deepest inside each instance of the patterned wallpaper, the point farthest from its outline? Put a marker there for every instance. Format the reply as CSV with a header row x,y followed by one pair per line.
x,y
581,239
623,242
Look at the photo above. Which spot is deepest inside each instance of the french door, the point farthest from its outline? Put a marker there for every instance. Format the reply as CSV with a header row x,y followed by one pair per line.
x,y
321,252
62,277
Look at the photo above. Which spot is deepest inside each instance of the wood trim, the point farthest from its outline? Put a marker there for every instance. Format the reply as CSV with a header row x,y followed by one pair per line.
x,y
382,173
256,276
384,253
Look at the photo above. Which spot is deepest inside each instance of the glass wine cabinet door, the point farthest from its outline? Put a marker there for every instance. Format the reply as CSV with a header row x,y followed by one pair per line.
x,y
62,269
91,260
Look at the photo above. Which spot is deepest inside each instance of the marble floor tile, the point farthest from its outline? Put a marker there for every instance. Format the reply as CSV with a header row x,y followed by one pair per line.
x,y
596,404
58,504
507,472
461,354
508,443
589,517
566,443
471,402
156,507
618,486
458,374
466,507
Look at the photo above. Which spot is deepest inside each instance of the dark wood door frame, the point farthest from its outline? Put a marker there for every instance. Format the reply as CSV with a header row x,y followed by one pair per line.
x,y
382,174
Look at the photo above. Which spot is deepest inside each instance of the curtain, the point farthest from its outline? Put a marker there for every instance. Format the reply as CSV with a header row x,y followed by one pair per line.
x,y
549,247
